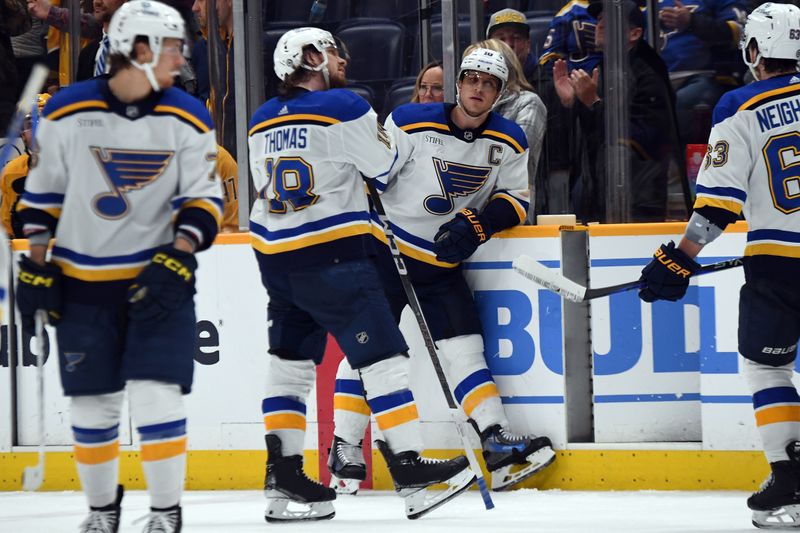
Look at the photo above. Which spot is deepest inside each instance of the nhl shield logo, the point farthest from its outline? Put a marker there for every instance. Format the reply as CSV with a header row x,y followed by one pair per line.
x,y
362,337
468,135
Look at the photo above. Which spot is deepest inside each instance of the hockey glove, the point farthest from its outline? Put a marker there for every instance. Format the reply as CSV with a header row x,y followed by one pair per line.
x,y
666,277
38,287
458,239
162,286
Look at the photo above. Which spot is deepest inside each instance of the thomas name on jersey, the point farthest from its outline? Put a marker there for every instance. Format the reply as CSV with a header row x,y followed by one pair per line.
x,y
285,139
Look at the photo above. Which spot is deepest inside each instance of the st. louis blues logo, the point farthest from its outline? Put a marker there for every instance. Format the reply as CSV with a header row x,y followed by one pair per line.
x,y
455,180
126,170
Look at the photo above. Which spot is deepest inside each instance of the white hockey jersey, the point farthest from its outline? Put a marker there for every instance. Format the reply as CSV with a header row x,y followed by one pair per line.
x,y
114,181
307,156
752,167
442,169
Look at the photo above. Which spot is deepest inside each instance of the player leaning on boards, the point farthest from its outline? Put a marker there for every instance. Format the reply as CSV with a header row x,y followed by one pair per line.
x,y
312,237
750,169
125,181
461,176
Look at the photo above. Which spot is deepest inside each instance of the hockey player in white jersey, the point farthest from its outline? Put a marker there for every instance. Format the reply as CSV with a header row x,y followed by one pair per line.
x,y
461,176
124,180
311,233
751,168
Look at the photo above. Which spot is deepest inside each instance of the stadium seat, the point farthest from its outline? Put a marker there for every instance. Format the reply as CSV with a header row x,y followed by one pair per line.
x,y
436,44
376,50
364,91
391,9
539,27
398,94
298,11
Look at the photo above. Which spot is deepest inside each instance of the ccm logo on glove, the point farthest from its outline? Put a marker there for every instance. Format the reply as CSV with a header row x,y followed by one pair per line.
x,y
35,279
173,264
670,264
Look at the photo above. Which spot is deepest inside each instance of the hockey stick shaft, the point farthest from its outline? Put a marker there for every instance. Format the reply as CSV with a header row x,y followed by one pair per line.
x,y
550,279
430,345
24,106
33,476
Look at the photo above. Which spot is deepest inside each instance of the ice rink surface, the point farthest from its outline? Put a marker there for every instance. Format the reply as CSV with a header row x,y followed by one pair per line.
x,y
520,511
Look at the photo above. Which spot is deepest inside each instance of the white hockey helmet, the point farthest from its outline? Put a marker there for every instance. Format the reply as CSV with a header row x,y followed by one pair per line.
x,y
488,61
288,56
776,30
144,18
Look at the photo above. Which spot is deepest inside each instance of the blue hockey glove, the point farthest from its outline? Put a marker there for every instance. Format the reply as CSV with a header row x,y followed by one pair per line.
x,y
163,285
38,287
458,239
666,277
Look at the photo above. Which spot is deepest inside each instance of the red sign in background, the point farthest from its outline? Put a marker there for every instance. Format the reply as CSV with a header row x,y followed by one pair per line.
x,y
326,382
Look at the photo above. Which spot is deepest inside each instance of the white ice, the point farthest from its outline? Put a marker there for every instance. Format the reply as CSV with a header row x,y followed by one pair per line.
x,y
520,511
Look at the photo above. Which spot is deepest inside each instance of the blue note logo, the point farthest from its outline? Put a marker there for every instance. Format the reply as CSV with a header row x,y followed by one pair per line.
x,y
455,180
124,171
73,359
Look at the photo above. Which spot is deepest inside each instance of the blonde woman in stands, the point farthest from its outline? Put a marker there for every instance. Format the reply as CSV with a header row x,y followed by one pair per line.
x,y
521,105
429,86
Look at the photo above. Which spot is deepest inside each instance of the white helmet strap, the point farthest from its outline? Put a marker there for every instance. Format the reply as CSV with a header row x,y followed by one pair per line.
x,y
746,58
147,68
322,67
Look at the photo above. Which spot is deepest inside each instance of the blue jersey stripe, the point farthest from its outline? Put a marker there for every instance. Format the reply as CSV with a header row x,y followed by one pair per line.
x,y
92,436
773,234
167,430
349,386
66,253
43,198
775,395
477,378
282,403
308,227
390,401
723,191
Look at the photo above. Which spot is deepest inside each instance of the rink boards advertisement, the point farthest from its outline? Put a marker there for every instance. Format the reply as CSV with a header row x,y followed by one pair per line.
x,y
665,376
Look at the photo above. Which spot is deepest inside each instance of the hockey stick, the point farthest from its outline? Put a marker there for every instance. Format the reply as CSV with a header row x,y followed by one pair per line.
x,y
550,279
413,302
24,106
33,476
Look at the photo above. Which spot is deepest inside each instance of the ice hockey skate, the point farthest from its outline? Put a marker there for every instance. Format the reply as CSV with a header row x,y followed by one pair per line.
x,y
346,465
104,519
776,505
291,495
168,520
503,451
413,474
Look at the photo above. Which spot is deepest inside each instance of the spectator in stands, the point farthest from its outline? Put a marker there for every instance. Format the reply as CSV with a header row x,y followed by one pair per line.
x,y
649,141
221,101
12,179
697,40
429,86
510,26
521,105
13,21
228,172
57,18
570,37
29,48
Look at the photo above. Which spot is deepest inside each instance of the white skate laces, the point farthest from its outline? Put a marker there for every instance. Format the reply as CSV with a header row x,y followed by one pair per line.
x,y
167,521
350,453
100,522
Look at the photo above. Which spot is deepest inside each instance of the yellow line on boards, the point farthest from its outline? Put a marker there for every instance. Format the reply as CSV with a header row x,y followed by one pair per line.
x,y
573,470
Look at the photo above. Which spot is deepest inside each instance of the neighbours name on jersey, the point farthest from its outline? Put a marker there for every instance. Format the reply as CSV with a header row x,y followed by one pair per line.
x,y
285,139
779,114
